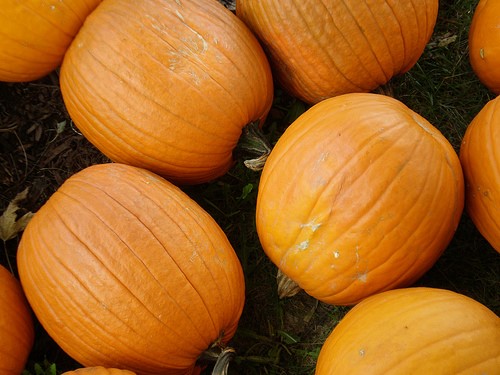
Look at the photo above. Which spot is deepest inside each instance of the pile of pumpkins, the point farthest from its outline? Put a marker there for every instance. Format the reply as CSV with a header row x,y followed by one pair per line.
x,y
357,199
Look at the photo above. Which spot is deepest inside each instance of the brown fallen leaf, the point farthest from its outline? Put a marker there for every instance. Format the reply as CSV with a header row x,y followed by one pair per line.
x,y
10,225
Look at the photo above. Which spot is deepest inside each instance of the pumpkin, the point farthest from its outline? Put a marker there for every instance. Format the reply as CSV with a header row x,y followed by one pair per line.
x,y
36,34
484,43
414,331
359,195
17,332
481,165
98,370
124,270
166,85
323,48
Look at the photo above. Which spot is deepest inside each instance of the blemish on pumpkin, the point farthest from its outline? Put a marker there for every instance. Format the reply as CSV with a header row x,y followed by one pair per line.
x,y
151,179
179,15
356,252
336,254
362,277
361,352
303,245
486,193
481,53
173,62
196,46
422,125
314,227
193,256
195,77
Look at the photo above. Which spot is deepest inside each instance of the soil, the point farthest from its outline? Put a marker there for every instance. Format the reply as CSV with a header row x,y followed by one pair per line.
x,y
39,149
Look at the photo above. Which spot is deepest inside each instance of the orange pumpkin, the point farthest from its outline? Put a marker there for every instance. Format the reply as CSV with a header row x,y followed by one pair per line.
x,y
124,270
35,35
98,370
359,195
414,331
166,86
17,332
480,158
484,43
320,49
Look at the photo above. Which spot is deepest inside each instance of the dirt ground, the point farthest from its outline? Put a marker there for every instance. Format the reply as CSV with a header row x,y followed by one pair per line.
x,y
39,149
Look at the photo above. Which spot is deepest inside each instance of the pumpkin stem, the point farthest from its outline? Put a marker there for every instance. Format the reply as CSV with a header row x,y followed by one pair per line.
x,y
253,146
222,356
222,364
286,286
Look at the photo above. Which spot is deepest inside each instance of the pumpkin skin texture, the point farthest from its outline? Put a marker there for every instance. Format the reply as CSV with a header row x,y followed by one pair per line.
x,y
35,35
323,48
359,195
16,325
125,271
480,158
166,85
484,43
414,331
98,370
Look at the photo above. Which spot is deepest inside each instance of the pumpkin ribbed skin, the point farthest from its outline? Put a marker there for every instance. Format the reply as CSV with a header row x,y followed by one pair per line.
x,y
484,43
98,370
124,270
414,331
35,35
166,85
359,195
16,325
323,48
480,158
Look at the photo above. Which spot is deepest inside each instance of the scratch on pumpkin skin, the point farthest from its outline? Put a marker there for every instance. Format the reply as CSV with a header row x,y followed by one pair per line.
x,y
360,276
179,14
423,126
193,256
195,77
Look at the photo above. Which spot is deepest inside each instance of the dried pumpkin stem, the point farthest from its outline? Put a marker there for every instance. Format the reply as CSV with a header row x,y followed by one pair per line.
x,y
253,146
222,364
286,286
222,356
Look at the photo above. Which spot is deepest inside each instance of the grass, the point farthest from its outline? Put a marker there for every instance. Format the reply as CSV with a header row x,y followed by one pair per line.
x,y
284,336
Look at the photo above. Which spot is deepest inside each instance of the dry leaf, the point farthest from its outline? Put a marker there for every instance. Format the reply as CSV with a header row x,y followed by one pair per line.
x,y
442,40
9,226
